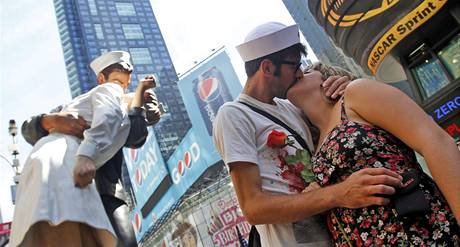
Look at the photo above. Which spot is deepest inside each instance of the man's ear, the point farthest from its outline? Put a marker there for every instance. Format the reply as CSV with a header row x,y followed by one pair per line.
x,y
101,78
267,67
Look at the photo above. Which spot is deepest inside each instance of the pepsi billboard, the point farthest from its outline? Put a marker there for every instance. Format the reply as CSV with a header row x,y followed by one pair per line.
x,y
189,161
146,168
206,88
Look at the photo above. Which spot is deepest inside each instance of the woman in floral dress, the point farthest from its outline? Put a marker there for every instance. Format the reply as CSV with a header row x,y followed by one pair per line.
x,y
376,125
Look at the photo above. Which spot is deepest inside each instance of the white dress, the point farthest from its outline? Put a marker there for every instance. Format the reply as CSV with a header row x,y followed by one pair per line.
x,y
46,190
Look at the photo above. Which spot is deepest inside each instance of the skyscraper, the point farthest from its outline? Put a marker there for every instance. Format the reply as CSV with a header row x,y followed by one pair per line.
x,y
319,41
89,28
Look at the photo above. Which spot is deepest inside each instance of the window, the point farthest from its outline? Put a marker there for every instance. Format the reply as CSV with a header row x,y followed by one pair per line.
x,y
436,66
450,56
430,77
140,55
132,31
125,9
92,7
99,32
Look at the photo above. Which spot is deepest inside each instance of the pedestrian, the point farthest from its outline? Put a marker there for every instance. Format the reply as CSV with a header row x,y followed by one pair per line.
x,y
57,205
268,181
376,125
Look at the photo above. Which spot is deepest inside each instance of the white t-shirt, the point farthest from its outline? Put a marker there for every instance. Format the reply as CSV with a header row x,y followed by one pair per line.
x,y
240,134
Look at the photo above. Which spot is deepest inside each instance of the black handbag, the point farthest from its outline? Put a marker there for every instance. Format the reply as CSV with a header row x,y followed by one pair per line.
x,y
410,199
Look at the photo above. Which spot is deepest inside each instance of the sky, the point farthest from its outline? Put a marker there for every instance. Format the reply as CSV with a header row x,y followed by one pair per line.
x,y
33,79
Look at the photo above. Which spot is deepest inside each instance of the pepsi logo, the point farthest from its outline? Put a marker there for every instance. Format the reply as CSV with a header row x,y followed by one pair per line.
x,y
190,156
187,159
137,223
138,177
181,167
133,154
208,89
144,166
184,163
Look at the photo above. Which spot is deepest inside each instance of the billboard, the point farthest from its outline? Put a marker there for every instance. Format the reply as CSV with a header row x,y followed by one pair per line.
x,y
146,168
206,88
5,231
159,184
217,221
369,30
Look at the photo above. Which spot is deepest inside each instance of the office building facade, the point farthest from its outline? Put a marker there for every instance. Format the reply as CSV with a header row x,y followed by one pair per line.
x,y
89,28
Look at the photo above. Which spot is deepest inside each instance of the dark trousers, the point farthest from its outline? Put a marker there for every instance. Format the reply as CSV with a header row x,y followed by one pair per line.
x,y
118,213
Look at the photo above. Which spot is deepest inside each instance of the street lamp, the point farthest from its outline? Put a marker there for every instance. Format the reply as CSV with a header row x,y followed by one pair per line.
x,y
14,149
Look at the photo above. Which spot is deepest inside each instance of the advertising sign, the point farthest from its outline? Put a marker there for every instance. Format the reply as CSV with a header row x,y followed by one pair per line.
x,y
206,88
227,223
369,30
5,228
217,221
146,168
446,113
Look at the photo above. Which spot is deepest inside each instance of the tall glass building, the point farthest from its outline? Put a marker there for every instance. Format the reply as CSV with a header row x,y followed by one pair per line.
x,y
319,41
89,28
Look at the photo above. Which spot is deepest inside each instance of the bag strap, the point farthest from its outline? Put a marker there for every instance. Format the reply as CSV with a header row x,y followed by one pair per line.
x,y
298,138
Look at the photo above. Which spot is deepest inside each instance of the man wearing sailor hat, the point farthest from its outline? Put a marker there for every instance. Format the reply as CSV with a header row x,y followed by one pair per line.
x,y
115,67
269,192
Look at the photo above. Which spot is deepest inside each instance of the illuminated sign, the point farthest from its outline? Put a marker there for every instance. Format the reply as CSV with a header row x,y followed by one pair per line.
x,y
158,183
369,30
146,168
400,30
137,223
190,156
447,108
336,18
453,129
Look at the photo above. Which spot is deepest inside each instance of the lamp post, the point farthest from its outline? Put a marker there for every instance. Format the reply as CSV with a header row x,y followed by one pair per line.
x,y
14,149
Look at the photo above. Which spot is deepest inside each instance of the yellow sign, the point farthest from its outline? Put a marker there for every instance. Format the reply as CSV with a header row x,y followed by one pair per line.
x,y
350,20
401,29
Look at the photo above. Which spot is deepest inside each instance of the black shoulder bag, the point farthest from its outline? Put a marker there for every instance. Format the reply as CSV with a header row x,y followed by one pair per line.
x,y
254,237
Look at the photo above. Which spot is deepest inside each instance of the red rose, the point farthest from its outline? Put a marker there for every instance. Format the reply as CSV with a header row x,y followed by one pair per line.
x,y
276,139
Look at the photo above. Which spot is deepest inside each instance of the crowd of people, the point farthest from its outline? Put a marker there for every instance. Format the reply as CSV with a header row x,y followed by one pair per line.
x,y
354,181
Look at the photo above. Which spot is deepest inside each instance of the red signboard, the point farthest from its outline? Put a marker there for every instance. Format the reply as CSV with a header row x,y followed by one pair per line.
x,y
5,228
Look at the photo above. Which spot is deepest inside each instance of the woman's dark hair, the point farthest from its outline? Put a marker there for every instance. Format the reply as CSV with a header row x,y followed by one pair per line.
x,y
277,58
115,67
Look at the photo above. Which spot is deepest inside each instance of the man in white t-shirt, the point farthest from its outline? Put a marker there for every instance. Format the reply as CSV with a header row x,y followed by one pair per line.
x,y
269,190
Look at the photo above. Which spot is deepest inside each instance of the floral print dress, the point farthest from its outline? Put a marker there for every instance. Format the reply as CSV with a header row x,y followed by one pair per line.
x,y
352,146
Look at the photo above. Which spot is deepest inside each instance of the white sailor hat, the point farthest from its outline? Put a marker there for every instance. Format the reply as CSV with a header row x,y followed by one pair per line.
x,y
268,38
109,58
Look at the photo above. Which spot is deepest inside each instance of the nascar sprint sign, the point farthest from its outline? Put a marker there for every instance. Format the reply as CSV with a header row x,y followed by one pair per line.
x,y
369,30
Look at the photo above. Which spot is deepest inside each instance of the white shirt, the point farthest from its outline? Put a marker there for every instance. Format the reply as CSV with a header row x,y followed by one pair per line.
x,y
240,134
105,110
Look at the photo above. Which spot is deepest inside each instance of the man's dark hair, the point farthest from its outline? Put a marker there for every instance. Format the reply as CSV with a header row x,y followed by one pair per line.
x,y
115,67
277,57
